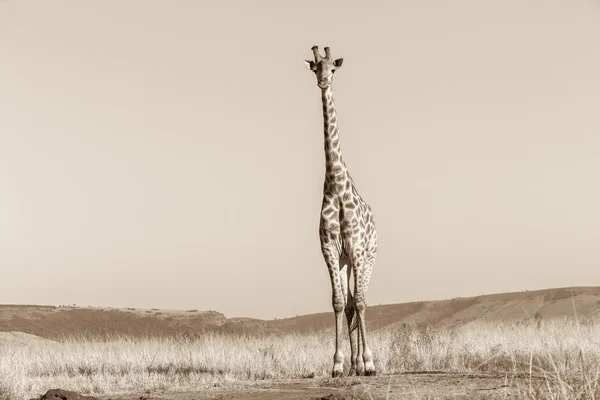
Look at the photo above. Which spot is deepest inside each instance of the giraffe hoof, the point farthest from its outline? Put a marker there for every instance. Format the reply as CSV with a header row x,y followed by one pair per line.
x,y
370,373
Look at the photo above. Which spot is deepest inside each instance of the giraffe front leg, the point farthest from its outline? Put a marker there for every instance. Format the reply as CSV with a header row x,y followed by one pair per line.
x,y
360,306
338,309
350,314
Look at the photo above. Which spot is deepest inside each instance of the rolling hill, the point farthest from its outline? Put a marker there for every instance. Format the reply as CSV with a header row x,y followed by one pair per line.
x,y
54,322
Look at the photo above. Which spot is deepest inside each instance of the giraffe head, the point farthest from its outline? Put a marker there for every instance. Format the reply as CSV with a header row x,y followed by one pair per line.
x,y
323,67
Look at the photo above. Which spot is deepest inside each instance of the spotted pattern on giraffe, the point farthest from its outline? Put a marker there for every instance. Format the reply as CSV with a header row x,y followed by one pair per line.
x,y
346,231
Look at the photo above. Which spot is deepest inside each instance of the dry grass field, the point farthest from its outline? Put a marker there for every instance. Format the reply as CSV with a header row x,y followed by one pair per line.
x,y
535,358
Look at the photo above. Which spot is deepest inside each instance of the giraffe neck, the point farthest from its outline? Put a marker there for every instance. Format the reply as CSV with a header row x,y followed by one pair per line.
x,y
334,163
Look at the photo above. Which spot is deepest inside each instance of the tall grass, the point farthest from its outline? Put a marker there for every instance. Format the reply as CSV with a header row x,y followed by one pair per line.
x,y
565,351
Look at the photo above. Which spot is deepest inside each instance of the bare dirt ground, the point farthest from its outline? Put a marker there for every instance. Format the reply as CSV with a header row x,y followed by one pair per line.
x,y
403,386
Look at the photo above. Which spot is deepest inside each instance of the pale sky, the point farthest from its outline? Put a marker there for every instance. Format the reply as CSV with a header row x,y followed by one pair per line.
x,y
169,154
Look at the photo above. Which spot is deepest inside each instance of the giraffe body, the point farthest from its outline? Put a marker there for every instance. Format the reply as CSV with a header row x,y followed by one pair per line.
x,y
346,230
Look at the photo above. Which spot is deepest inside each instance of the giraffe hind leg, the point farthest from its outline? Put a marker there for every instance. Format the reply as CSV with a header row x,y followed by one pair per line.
x,y
346,273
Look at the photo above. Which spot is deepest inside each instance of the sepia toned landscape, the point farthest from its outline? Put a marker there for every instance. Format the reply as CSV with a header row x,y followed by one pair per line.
x,y
531,345
315,200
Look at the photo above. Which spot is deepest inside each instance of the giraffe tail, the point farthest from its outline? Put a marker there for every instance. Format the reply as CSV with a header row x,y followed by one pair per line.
x,y
354,323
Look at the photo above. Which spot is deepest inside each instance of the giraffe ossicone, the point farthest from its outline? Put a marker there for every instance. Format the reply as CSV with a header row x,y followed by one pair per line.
x,y
346,230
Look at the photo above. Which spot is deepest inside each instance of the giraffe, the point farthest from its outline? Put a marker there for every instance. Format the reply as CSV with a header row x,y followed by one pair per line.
x,y
347,232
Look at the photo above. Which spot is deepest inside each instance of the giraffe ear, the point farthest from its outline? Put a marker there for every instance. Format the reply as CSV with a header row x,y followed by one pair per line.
x,y
338,63
311,65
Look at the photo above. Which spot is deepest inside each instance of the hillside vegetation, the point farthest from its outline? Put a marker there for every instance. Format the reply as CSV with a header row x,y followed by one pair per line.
x,y
58,322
